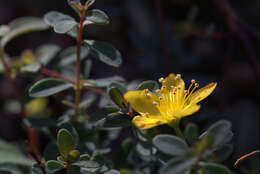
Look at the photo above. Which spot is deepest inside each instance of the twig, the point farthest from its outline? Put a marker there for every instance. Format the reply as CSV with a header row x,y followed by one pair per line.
x,y
245,156
55,74
36,158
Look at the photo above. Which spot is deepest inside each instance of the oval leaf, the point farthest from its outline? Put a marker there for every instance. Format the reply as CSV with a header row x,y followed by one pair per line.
x,y
96,16
150,84
117,97
104,52
191,133
53,166
22,26
45,53
170,145
48,87
53,17
213,168
178,165
64,26
65,142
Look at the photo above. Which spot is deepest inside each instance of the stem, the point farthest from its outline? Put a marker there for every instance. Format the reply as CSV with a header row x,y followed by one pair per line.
x,y
12,81
176,126
246,156
78,66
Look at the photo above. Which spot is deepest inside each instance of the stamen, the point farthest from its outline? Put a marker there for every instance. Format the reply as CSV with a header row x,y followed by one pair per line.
x,y
178,76
193,81
146,90
158,91
146,114
163,87
148,95
160,98
155,103
161,80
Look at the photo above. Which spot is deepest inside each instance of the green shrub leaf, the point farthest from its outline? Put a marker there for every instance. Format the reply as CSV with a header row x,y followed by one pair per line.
x,y
53,17
104,52
64,26
96,16
171,145
116,96
53,166
150,84
48,87
65,142
191,133
213,168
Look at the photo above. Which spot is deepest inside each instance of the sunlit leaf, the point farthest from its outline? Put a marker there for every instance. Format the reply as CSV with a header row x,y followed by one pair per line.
x,y
96,16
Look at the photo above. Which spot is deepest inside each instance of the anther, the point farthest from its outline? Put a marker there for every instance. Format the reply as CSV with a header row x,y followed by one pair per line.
x,y
163,87
146,90
160,98
197,85
178,76
161,80
146,114
193,81
155,103
158,91
148,95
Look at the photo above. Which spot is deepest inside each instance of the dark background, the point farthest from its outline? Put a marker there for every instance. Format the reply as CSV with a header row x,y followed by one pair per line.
x,y
193,38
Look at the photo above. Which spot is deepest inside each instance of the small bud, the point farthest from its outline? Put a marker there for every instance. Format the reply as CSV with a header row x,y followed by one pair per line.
x,y
73,155
161,80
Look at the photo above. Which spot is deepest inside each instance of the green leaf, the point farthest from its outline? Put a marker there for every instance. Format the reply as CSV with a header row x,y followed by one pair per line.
x,y
64,26
53,17
65,142
36,169
53,166
150,84
46,53
31,68
224,152
191,133
5,172
96,16
116,96
178,165
69,55
10,155
72,130
86,164
221,132
73,169
103,113
87,100
116,122
104,52
22,26
213,168
104,82
112,171
171,145
51,152
4,29
48,87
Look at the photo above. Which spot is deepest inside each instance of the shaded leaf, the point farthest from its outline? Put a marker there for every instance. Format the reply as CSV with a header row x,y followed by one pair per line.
x,y
191,133
104,52
65,142
53,166
53,17
96,16
224,152
64,26
171,145
45,53
37,122
48,87
116,96
116,122
86,164
178,165
151,85
22,26
103,113
213,168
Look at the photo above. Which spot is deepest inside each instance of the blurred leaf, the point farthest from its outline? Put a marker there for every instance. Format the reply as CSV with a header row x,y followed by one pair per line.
x,y
224,152
37,122
69,55
151,85
22,26
178,165
87,100
11,168
86,164
191,133
46,53
48,87
213,168
31,68
53,17
72,130
65,142
116,122
36,169
53,166
4,29
116,96
112,172
104,52
102,113
87,70
103,83
5,172
64,26
171,145
221,132
96,16
73,169
10,155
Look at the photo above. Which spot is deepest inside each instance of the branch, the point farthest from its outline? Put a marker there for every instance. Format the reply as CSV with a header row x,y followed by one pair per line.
x,y
245,156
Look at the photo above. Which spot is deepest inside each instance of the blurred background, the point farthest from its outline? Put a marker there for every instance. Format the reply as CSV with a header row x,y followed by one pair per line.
x,y
202,40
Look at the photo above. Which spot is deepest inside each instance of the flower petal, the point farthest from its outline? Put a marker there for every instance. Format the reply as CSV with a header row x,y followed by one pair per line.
x,y
171,80
202,93
190,110
142,103
142,122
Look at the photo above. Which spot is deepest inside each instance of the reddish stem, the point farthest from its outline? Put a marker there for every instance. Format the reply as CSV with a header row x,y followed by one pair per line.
x,y
245,156
55,74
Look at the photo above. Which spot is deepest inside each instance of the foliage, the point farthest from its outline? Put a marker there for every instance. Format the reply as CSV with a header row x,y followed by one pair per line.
x,y
80,141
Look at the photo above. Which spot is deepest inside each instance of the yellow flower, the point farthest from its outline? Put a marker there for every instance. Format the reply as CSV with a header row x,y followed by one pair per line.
x,y
169,104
